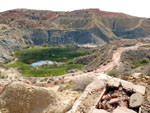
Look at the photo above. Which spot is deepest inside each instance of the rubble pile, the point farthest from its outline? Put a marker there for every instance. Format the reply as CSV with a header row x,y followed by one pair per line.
x,y
114,97
119,96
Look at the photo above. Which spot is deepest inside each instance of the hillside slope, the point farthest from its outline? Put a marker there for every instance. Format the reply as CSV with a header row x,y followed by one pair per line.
x,y
22,27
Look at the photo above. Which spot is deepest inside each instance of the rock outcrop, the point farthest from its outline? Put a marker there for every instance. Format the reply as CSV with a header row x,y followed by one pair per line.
x,y
19,97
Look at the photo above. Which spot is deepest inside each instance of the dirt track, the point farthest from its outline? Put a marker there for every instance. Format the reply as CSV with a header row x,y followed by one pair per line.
x,y
108,67
116,58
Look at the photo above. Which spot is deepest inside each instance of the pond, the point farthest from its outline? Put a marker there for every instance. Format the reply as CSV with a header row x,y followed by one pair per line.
x,y
42,62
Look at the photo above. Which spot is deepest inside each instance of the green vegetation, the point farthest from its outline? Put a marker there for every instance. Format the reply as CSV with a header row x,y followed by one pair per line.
x,y
141,62
45,53
113,73
30,71
28,56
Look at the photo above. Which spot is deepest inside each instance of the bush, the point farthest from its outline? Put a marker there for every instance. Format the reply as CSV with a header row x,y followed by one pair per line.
x,y
113,73
141,62
145,61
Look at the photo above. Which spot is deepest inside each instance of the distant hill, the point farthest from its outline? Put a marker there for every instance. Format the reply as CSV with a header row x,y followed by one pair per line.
x,y
22,27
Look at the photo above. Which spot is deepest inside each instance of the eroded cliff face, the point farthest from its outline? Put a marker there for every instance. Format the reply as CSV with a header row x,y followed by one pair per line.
x,y
22,27
51,37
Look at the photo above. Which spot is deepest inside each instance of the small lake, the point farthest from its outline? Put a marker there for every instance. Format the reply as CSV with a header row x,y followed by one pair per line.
x,y
42,62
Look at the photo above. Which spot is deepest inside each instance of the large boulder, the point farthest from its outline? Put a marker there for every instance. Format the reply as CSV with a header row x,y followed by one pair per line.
x,y
19,97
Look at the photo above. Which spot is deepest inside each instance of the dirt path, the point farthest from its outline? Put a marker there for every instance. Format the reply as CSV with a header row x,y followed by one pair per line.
x,y
116,58
108,67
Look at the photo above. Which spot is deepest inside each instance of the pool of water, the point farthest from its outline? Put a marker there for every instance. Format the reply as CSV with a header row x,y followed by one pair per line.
x,y
43,62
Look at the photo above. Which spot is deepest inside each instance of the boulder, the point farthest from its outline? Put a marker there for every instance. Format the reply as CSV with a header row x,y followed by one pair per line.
x,y
19,97
136,100
123,110
113,83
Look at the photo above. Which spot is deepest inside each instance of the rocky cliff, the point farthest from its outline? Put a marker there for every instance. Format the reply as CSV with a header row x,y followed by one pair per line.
x,y
22,27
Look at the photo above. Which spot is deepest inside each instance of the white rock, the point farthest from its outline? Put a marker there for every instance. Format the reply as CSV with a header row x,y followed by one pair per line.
x,y
127,85
139,89
123,110
113,82
136,100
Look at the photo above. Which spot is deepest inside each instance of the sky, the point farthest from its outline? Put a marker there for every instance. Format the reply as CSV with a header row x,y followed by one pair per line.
x,y
140,8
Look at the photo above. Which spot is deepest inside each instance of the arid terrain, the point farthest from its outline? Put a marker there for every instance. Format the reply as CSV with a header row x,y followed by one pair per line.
x,y
76,92
101,62
22,27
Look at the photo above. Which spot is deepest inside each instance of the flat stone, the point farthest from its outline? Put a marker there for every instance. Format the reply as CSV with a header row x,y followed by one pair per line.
x,y
127,85
113,83
99,111
136,100
139,89
123,110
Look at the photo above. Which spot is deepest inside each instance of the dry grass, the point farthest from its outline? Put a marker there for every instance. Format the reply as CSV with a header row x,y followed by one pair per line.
x,y
114,73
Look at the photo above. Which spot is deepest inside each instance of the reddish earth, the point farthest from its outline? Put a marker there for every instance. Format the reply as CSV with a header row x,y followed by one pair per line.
x,y
116,59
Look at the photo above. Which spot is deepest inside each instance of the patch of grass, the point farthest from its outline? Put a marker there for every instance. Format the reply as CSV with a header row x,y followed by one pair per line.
x,y
141,62
30,55
30,71
46,53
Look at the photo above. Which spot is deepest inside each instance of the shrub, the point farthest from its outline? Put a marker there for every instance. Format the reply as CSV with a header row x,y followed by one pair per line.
x,y
141,62
113,73
145,60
